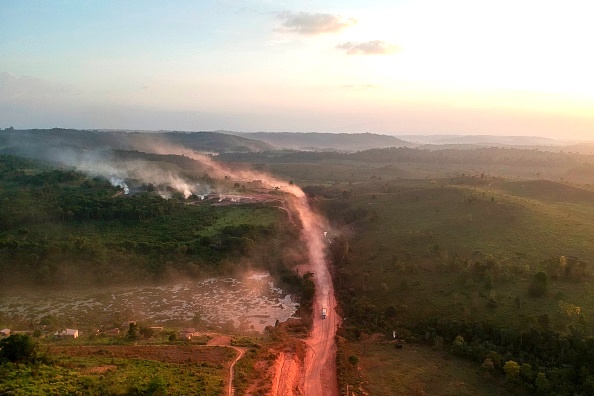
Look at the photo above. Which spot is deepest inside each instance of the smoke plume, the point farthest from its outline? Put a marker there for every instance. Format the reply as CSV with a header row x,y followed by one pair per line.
x,y
313,225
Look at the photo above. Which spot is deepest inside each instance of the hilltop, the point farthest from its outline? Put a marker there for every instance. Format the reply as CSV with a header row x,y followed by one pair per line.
x,y
127,140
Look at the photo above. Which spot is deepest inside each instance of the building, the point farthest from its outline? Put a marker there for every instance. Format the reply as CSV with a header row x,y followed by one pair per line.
x,y
67,333
4,332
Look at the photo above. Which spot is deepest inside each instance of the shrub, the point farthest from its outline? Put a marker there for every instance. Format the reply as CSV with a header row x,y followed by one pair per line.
x,y
18,348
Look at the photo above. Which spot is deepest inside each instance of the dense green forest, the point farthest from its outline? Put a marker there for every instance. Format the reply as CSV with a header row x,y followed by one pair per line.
x,y
59,226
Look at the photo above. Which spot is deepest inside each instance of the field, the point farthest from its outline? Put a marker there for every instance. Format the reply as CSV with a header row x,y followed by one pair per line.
x,y
171,370
417,370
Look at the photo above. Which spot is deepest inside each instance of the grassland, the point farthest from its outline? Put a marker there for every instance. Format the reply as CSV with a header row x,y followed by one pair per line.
x,y
415,370
121,370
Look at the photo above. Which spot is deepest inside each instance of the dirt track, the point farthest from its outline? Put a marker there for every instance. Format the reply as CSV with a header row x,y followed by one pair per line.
x,y
221,340
320,362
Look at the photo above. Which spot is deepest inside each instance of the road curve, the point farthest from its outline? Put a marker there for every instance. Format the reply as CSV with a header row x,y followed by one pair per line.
x,y
240,352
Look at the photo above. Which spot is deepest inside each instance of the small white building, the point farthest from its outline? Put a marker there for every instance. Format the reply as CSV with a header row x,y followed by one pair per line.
x,y
72,333
4,332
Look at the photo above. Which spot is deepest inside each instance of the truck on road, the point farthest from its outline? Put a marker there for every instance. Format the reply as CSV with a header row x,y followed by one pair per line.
x,y
324,313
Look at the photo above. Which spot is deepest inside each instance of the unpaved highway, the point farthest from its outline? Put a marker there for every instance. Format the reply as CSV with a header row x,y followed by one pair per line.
x,y
320,360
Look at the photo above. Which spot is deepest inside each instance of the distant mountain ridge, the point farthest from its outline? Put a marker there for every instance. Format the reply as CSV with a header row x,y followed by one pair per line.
x,y
320,141
482,140
128,140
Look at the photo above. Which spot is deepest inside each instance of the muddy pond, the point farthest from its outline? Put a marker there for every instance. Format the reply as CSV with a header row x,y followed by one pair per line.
x,y
247,304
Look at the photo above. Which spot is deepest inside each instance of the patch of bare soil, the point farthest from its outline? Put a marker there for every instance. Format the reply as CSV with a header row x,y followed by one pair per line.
x,y
220,340
287,369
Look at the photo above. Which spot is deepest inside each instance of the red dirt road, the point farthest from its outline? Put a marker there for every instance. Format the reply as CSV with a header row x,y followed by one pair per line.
x,y
320,360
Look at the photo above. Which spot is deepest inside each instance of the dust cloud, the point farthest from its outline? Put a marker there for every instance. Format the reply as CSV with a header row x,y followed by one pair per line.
x,y
313,225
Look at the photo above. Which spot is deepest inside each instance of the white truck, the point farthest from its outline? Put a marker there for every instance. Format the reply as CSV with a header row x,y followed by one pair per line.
x,y
324,313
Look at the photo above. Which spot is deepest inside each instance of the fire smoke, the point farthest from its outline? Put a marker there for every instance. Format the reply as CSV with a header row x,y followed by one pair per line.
x,y
313,225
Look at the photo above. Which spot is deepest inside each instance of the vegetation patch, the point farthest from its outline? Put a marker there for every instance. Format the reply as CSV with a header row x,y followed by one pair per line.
x,y
121,370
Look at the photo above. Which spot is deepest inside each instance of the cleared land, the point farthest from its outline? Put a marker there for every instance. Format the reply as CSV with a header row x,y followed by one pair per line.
x,y
418,370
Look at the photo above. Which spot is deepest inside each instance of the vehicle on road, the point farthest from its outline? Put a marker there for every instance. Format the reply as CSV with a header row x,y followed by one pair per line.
x,y
324,313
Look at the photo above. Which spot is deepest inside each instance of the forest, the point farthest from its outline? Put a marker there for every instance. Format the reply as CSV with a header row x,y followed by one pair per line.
x,y
60,226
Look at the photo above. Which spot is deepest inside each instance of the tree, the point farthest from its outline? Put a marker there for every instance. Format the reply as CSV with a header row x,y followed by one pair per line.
x,y
526,371
512,370
539,285
488,281
459,346
542,384
18,348
495,358
354,360
133,332
488,364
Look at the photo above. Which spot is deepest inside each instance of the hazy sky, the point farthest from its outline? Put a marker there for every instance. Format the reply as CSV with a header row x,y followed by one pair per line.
x,y
512,67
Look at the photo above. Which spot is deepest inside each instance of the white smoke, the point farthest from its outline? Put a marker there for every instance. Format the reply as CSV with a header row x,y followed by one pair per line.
x,y
117,182
124,173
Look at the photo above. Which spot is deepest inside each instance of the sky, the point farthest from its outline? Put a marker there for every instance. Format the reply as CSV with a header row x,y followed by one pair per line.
x,y
505,67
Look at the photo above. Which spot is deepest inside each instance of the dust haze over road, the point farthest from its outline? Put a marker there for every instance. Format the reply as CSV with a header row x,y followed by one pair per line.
x,y
319,371
320,361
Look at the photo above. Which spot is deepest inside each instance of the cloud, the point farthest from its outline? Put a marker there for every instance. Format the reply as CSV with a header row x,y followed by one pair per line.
x,y
375,47
314,23
14,88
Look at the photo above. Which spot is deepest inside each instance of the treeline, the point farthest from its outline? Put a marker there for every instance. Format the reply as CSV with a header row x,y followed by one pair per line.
x,y
539,361
534,359
478,156
125,140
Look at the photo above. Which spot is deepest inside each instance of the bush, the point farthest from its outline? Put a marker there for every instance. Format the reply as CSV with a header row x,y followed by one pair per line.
x,y
18,348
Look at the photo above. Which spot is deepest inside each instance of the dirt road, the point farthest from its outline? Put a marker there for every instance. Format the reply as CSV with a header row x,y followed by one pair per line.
x,y
221,340
240,352
320,361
